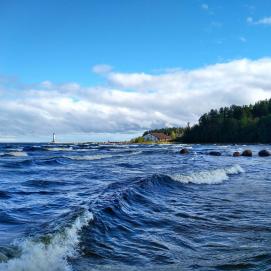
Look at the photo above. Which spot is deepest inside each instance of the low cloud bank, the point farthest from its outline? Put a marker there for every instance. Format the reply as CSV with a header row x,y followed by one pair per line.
x,y
130,102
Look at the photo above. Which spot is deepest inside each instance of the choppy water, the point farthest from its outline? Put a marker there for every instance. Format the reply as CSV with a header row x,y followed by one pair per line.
x,y
133,207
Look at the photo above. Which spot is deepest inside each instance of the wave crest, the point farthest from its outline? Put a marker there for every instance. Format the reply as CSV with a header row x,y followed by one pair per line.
x,y
51,255
59,149
215,176
16,153
89,157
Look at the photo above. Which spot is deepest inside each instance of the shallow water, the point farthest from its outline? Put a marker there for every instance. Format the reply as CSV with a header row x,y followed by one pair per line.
x,y
133,207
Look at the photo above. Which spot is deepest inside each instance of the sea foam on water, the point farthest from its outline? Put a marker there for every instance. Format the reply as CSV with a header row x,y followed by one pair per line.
x,y
214,176
16,153
38,256
89,157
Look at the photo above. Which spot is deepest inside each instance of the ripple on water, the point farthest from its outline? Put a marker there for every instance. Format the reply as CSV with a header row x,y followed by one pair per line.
x,y
151,208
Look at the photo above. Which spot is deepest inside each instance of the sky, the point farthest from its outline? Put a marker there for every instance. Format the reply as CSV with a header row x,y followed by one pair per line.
x,y
100,70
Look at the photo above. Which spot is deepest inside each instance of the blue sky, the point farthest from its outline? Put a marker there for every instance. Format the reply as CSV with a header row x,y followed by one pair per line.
x,y
62,40
59,42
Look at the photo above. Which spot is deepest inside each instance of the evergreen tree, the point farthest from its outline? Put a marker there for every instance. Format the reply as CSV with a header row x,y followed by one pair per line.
x,y
235,124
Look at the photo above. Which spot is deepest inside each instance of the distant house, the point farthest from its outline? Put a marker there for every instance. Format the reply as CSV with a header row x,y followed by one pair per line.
x,y
156,137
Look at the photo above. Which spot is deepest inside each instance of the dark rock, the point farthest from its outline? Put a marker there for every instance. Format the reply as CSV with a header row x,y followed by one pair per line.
x,y
215,153
236,154
247,153
184,151
264,153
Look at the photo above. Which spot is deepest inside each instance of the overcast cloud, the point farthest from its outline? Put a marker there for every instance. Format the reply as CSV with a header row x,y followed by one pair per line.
x,y
130,102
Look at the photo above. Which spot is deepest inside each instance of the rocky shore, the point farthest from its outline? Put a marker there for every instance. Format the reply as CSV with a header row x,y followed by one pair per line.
x,y
245,153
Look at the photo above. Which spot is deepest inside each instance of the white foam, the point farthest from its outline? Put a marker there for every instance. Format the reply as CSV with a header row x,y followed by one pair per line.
x,y
215,176
59,149
17,153
83,150
37,256
135,153
89,157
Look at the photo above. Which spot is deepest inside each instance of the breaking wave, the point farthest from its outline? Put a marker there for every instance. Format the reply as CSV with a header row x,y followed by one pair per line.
x,y
215,176
89,157
59,149
50,255
15,153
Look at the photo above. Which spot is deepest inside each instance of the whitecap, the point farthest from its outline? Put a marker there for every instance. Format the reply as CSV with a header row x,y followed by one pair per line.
x,y
59,149
215,176
81,150
136,153
53,256
17,153
89,157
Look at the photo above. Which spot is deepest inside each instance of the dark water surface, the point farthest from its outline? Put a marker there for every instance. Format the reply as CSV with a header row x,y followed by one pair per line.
x,y
133,207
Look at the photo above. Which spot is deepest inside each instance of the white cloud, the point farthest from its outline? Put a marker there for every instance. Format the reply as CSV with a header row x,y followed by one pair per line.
x,y
249,20
263,21
205,6
266,20
131,102
101,69
126,80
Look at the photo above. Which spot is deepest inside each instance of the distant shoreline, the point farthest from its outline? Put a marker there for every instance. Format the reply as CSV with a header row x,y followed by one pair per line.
x,y
142,143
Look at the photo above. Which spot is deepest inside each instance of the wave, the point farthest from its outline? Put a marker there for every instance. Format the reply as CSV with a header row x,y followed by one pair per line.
x,y
128,165
59,149
40,192
52,254
4,195
18,163
215,176
10,149
34,148
89,157
50,161
6,218
15,153
82,150
42,183
136,152
145,184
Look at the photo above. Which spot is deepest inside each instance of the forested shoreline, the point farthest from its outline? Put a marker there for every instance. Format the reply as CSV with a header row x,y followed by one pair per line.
x,y
234,124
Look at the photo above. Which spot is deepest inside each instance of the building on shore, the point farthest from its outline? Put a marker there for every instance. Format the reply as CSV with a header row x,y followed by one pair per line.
x,y
157,137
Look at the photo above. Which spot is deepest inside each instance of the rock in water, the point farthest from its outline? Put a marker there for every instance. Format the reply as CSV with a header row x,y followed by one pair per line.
x,y
215,153
236,154
247,153
264,153
184,151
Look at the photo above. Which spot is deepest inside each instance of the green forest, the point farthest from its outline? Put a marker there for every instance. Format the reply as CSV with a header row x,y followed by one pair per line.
x,y
234,124
173,132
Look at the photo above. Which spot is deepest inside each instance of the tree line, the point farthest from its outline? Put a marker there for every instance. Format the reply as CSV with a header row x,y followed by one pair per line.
x,y
173,132
234,124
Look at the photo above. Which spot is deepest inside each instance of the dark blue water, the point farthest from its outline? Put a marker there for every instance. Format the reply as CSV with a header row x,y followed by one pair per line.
x,y
133,207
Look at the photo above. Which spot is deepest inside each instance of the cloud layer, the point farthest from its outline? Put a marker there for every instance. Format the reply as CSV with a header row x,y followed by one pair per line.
x,y
130,102
263,21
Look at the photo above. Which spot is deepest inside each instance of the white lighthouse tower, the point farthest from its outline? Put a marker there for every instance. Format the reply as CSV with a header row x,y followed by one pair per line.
x,y
54,138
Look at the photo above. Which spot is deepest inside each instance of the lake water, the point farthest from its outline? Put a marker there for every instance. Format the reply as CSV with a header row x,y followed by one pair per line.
x,y
133,207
